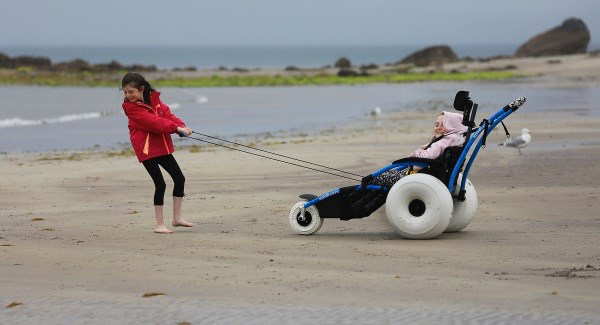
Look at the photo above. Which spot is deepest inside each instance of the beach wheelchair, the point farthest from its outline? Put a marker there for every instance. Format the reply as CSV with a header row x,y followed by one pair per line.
x,y
421,205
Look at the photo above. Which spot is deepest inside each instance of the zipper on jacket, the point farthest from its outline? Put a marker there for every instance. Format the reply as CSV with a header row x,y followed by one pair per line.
x,y
163,136
165,142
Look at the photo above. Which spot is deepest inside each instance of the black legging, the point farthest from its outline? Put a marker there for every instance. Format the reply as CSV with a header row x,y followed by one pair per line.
x,y
169,163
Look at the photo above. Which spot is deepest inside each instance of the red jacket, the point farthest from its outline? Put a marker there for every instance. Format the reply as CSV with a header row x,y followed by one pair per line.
x,y
150,127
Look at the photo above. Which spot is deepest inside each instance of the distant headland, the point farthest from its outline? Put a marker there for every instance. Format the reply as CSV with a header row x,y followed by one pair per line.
x,y
432,63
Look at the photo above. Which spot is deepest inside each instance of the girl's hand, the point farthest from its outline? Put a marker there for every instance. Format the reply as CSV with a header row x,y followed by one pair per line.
x,y
184,131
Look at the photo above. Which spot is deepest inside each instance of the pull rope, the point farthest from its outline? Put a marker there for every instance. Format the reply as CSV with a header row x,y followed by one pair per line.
x,y
263,156
276,154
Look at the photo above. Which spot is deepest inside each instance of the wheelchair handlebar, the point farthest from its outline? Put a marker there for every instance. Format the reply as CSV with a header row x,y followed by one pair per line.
x,y
515,104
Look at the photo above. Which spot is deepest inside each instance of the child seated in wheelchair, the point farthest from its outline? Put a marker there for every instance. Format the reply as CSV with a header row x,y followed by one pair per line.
x,y
448,131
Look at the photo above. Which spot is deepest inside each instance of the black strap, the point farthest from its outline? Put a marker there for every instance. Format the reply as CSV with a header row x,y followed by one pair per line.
x,y
505,129
485,123
366,181
434,140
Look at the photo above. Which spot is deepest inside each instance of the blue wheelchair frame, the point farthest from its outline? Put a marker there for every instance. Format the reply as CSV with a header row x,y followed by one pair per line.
x,y
481,132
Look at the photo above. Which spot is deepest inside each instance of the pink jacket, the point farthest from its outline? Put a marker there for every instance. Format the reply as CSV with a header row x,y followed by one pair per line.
x,y
454,137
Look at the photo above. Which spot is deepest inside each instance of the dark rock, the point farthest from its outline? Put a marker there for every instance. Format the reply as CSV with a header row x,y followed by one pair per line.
x,y
139,67
572,37
291,68
343,63
24,60
104,67
347,73
33,61
431,55
188,68
504,68
73,65
114,65
5,61
369,66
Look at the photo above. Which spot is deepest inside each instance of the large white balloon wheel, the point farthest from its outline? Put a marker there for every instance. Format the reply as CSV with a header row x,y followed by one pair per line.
x,y
464,211
419,206
306,224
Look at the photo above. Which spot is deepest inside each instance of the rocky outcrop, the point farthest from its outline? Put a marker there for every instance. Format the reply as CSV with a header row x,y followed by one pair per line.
x,y
572,37
44,63
112,65
24,60
431,55
73,65
343,63
4,60
345,72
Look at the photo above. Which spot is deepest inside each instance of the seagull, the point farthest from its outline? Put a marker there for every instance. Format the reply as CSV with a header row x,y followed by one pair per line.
x,y
376,111
519,142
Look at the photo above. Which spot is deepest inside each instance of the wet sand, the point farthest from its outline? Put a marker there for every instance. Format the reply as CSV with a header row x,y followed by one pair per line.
x,y
76,241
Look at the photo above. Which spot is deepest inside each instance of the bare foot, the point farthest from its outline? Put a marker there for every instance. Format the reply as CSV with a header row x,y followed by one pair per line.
x,y
181,223
162,230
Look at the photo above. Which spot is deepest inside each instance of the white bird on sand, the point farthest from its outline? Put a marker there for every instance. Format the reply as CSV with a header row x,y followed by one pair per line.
x,y
376,111
519,142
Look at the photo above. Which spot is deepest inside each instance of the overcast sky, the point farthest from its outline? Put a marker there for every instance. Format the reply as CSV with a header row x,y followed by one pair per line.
x,y
285,22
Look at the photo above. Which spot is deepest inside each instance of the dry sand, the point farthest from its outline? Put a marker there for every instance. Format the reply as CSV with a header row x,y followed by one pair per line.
x,y
76,241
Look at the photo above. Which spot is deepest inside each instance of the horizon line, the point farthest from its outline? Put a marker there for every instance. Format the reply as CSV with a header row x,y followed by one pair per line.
x,y
257,45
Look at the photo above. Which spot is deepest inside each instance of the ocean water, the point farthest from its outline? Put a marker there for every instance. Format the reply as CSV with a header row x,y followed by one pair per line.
x,y
34,118
208,57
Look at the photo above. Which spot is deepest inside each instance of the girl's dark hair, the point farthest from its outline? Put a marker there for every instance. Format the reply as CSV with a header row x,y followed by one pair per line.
x,y
138,81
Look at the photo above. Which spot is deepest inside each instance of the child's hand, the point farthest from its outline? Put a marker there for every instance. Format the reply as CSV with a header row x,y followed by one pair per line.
x,y
184,131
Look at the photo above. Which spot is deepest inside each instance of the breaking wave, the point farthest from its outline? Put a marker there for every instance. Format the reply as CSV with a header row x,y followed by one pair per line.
x,y
18,122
